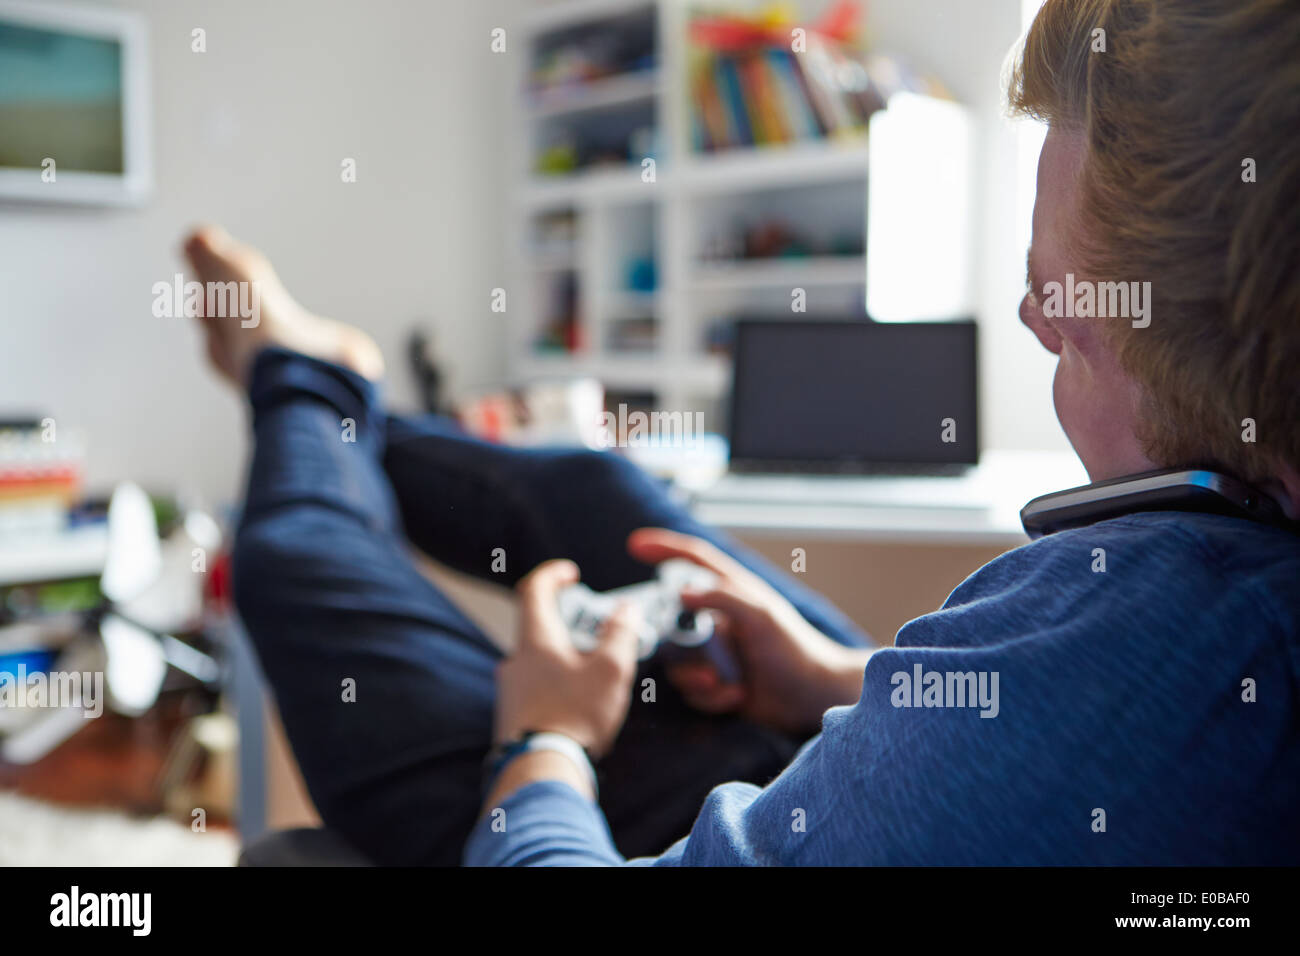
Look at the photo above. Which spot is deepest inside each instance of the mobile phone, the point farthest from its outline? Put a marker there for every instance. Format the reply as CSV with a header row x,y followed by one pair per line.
x,y
1173,489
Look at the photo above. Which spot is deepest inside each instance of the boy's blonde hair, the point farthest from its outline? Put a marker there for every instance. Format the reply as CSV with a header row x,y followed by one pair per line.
x,y
1187,99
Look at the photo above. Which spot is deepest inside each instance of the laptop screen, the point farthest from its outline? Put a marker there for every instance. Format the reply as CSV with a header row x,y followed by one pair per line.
x,y
853,395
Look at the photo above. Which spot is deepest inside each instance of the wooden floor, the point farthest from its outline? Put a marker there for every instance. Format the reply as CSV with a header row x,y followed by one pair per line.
x,y
114,761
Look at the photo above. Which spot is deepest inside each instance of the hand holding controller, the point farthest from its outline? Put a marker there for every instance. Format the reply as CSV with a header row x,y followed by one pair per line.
x,y
666,626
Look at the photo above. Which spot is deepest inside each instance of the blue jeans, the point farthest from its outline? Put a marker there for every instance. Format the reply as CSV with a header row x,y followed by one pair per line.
x,y
328,591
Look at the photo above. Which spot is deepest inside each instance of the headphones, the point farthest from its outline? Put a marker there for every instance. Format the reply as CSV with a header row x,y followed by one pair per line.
x,y
1172,489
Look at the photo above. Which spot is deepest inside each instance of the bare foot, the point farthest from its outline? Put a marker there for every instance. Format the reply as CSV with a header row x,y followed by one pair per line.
x,y
232,345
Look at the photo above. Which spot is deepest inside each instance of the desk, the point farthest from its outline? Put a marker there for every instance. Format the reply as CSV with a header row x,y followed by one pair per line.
x,y
979,508
886,549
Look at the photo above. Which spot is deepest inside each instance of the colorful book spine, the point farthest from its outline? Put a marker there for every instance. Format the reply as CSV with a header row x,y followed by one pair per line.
x,y
716,121
771,95
769,101
752,99
794,103
743,133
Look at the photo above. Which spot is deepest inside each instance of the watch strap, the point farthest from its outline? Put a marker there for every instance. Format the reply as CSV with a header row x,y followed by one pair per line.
x,y
534,740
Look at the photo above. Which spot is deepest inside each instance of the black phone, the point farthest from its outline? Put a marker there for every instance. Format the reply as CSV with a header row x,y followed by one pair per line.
x,y
1173,489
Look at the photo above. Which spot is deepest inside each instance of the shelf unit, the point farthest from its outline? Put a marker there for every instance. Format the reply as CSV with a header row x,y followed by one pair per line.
x,y
885,191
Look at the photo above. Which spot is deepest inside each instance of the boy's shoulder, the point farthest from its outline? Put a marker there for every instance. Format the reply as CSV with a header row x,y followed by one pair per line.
x,y
1150,659
1191,571
1163,549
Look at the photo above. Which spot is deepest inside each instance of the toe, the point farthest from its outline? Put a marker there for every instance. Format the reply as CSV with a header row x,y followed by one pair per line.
x,y
206,241
216,255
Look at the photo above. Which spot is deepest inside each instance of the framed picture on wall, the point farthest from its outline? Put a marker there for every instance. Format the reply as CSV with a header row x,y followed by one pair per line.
x,y
74,104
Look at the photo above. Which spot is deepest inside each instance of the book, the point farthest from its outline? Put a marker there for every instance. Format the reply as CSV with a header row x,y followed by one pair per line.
x,y
741,132
767,94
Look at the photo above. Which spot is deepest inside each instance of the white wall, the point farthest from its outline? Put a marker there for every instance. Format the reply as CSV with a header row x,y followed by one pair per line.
x,y
251,134
964,43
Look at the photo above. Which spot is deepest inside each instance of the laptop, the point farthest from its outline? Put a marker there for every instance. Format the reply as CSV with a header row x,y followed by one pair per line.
x,y
851,399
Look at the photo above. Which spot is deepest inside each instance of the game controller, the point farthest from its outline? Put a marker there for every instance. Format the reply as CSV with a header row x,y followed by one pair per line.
x,y
665,626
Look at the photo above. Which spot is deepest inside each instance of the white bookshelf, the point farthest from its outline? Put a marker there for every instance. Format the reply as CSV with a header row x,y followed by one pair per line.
x,y
695,197
812,271
598,95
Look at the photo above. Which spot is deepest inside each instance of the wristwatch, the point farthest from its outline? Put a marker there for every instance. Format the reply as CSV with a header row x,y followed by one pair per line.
x,y
531,740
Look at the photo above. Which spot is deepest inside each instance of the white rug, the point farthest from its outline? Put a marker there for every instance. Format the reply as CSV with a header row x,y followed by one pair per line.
x,y
42,834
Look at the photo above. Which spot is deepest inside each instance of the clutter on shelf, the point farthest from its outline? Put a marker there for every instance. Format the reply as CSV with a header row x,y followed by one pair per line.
x,y
107,607
594,86
562,412
765,79
561,329
611,46
774,238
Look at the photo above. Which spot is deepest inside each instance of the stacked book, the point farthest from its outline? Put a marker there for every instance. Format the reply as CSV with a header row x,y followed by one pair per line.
x,y
766,96
49,569
40,476
765,79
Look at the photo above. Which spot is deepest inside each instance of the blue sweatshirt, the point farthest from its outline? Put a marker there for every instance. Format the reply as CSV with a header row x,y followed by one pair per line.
x,y
1126,693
